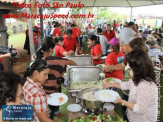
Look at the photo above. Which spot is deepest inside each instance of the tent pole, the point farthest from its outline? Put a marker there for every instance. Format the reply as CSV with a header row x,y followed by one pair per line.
x,y
131,14
41,19
31,42
41,23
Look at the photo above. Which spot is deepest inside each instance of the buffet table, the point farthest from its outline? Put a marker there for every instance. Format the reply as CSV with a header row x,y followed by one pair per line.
x,y
72,115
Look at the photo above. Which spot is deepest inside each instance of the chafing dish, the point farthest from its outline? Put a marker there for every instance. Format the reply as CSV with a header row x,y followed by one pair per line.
x,y
82,73
82,60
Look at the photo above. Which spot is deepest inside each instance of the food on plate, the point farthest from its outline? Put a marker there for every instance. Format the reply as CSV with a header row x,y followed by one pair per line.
x,y
111,80
86,84
98,118
61,99
89,96
104,95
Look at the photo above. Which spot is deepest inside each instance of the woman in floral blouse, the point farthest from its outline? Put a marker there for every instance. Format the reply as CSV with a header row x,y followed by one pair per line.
x,y
142,105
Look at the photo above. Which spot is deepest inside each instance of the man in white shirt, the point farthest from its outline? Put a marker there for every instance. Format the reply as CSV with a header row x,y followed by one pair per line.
x,y
127,34
154,51
103,41
53,28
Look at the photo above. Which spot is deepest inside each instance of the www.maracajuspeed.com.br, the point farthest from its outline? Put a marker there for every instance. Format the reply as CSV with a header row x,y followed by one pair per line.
x,y
42,16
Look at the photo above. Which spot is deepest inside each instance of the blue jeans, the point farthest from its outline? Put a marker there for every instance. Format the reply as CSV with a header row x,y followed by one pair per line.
x,y
107,48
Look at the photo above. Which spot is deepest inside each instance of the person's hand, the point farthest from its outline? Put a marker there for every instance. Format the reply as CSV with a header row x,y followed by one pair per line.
x,y
107,84
80,52
71,52
119,100
8,55
107,68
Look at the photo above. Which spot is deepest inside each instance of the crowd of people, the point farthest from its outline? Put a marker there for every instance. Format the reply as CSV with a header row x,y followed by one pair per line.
x,y
128,59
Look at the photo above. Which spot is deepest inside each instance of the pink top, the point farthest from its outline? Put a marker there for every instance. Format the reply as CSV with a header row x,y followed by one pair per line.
x,y
145,100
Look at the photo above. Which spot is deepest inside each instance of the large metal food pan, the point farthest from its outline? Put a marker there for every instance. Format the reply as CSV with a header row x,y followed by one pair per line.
x,y
83,73
85,60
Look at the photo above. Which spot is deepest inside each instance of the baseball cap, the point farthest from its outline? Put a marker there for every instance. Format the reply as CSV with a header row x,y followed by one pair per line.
x,y
114,41
153,42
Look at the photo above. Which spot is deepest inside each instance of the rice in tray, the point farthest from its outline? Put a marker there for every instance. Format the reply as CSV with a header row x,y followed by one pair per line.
x,y
85,84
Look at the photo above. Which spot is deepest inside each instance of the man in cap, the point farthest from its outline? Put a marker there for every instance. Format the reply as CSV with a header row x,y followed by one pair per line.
x,y
127,34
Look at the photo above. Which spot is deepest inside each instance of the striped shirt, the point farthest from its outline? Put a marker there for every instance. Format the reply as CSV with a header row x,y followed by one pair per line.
x,y
57,70
35,95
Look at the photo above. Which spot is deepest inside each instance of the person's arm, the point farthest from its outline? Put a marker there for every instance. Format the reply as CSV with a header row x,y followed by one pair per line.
x,y
70,62
125,103
122,86
64,52
97,57
68,53
147,95
135,32
108,85
98,52
106,41
43,117
40,106
5,55
78,50
114,67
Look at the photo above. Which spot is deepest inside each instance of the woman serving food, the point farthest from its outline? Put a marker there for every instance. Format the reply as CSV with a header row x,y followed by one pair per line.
x,y
143,97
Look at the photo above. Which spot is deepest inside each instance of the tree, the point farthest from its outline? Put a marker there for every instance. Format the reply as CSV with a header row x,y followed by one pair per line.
x,y
109,15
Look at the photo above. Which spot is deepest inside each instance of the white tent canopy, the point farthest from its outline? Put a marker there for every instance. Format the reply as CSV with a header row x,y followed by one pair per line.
x,y
111,3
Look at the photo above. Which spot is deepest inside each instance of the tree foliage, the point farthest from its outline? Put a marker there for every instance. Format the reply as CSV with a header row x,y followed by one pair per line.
x,y
109,15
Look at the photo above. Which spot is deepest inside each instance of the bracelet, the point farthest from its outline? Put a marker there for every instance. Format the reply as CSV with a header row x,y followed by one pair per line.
x,y
123,102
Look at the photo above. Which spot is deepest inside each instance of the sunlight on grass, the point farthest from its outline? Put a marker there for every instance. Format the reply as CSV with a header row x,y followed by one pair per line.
x,y
17,40
63,109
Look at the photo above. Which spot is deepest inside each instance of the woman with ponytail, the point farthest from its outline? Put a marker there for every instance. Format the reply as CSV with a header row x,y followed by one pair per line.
x,y
57,70
115,57
96,51
59,50
33,92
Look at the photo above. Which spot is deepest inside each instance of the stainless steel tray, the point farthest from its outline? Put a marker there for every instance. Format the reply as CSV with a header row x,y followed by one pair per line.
x,y
82,60
83,73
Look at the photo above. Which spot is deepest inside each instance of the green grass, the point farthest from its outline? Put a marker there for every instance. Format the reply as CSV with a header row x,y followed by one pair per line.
x,y
17,40
63,109
10,27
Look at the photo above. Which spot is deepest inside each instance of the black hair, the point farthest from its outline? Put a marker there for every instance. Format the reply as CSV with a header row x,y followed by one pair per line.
x,y
46,45
54,22
131,23
9,82
95,38
108,24
140,31
57,39
68,31
38,64
160,35
56,25
160,30
116,48
99,30
72,25
141,66
138,43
